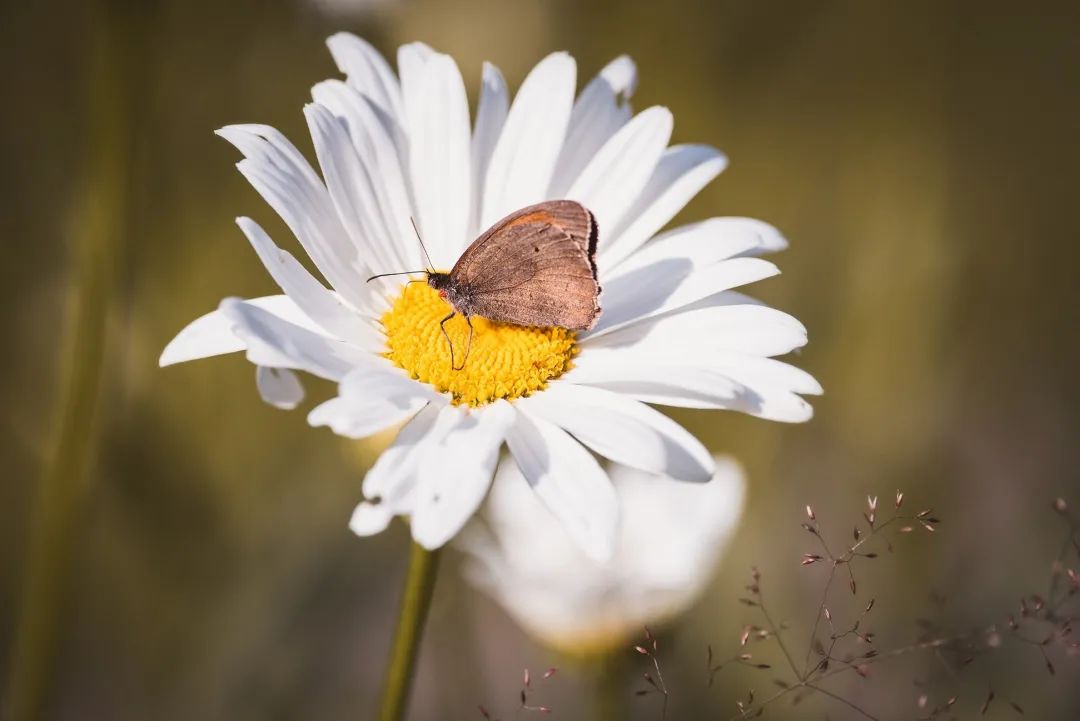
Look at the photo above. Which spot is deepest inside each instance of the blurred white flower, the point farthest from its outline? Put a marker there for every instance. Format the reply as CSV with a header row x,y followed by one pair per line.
x,y
670,538
673,332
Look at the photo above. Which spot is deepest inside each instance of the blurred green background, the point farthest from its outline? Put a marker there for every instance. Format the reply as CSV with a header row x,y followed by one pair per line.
x,y
920,156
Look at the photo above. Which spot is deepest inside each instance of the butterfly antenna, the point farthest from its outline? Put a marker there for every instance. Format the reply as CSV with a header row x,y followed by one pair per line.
x,y
401,272
422,247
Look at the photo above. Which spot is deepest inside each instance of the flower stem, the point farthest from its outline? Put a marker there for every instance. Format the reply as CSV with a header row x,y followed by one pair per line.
x,y
419,588
98,213
608,686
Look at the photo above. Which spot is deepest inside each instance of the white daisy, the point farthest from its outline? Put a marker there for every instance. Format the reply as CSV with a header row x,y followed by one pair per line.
x,y
671,537
672,331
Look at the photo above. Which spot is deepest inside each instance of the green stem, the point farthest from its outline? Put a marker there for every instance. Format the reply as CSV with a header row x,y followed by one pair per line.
x,y
419,588
98,216
609,690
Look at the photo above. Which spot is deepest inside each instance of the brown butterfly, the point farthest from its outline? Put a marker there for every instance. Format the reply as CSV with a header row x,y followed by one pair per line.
x,y
535,267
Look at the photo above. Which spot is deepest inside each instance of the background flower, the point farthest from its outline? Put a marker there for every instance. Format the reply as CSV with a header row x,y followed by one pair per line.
x,y
671,537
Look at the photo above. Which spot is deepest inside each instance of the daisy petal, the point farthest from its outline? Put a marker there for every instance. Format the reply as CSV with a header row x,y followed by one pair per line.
x,y
455,473
770,240
273,342
621,75
601,109
281,175
391,484
569,481
438,124
743,383
670,284
755,371
704,244
377,150
354,190
491,112
683,170
624,430
667,385
370,400
279,387
524,158
411,58
212,334
395,469
310,296
369,519
615,176
748,369
732,322
367,71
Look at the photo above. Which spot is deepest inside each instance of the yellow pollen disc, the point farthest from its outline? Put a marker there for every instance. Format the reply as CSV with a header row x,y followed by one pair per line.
x,y
505,361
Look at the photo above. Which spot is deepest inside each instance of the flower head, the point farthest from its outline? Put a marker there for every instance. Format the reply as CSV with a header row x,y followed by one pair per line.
x,y
670,540
394,147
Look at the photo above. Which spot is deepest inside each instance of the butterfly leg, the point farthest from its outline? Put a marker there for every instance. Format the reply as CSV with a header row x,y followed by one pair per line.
x,y
468,344
442,326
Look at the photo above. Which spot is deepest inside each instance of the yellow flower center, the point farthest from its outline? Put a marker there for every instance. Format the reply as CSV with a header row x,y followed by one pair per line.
x,y
505,361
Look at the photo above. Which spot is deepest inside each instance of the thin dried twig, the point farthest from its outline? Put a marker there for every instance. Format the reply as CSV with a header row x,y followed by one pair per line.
x,y
1043,622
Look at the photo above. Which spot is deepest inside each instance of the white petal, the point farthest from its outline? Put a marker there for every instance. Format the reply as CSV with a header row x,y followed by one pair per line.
x,y
491,112
279,387
624,430
622,76
670,284
369,519
614,178
773,387
212,334
600,110
667,385
677,534
391,484
703,244
370,400
770,240
392,478
747,369
749,384
310,296
683,170
455,473
411,58
273,342
524,158
569,481
281,175
367,71
755,371
438,123
385,180
354,190
731,322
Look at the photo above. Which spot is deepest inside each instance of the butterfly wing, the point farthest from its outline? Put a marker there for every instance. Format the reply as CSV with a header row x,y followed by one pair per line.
x,y
534,267
569,215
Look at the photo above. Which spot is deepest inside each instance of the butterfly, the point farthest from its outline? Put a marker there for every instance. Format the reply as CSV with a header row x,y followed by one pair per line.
x,y
535,267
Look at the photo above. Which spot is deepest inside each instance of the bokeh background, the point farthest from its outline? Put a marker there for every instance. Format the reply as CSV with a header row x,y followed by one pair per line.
x,y
921,157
